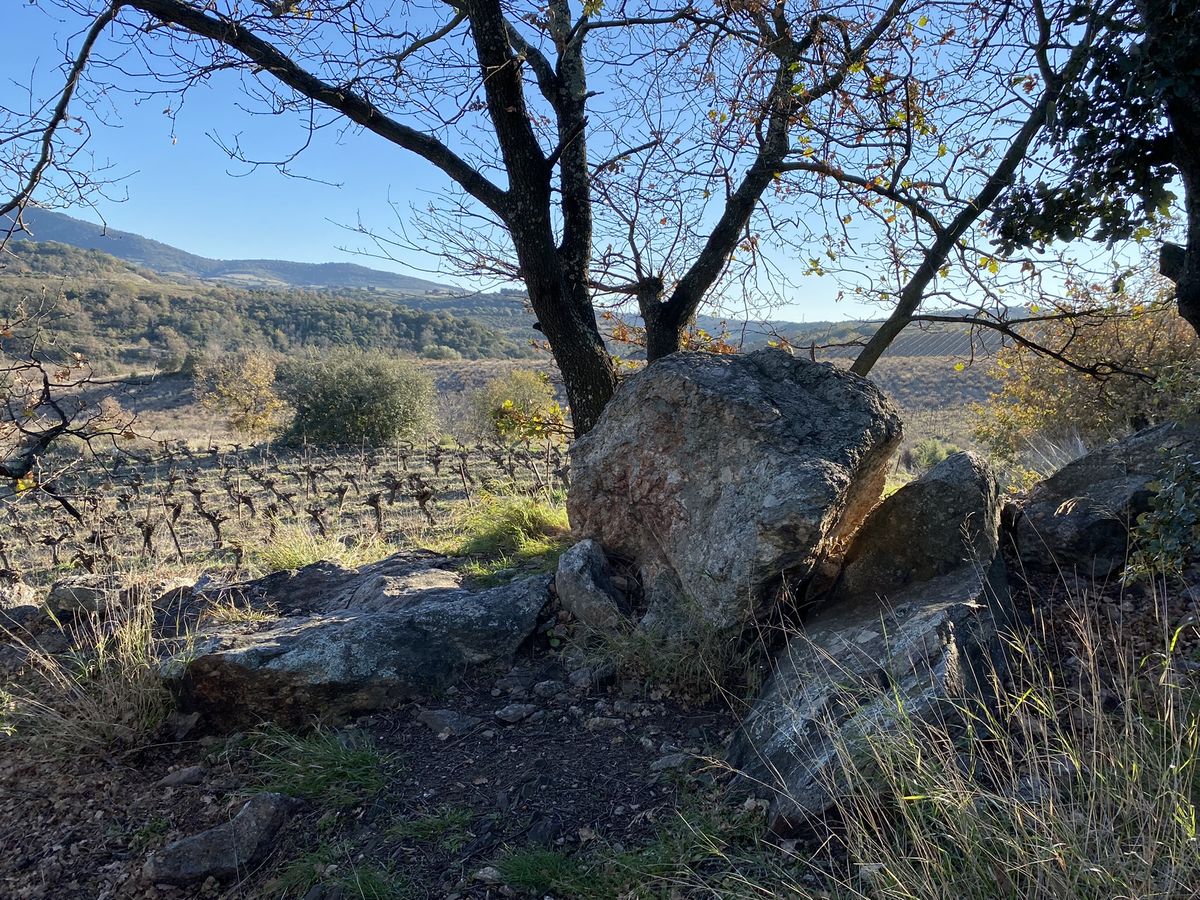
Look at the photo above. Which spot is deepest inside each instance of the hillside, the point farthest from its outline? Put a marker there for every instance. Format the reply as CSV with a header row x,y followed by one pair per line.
x,y
122,316
55,227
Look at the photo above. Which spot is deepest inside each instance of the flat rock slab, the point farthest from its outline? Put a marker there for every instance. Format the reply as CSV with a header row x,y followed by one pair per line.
x,y
719,476
224,851
386,633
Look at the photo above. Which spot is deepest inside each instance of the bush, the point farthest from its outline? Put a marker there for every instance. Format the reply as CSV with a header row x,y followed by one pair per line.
x,y
1042,400
241,387
352,398
927,453
518,406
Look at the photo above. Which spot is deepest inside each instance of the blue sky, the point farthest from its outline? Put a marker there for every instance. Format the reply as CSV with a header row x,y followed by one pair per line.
x,y
181,188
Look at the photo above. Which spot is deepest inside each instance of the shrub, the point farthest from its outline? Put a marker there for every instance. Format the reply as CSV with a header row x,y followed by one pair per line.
x,y
518,406
351,398
1040,399
1165,539
927,453
241,387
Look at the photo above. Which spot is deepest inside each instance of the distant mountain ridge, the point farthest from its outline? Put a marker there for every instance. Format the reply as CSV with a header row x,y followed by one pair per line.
x,y
57,227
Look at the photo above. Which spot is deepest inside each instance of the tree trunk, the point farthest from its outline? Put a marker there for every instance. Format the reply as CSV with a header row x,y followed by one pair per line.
x,y
1172,41
664,321
567,320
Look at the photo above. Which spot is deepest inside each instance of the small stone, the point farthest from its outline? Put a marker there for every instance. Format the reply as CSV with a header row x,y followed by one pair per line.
x,y
516,680
186,775
80,595
448,722
549,688
184,724
669,762
581,679
515,712
543,831
224,850
488,875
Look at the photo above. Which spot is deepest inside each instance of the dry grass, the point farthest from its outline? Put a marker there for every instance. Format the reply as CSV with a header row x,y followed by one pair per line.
x,y
294,546
107,694
1087,789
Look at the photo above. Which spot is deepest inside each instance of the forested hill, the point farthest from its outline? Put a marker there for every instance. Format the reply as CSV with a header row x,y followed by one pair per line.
x,y
123,316
55,227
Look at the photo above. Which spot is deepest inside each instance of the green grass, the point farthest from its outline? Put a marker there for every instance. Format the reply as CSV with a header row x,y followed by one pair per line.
x,y
333,770
294,546
336,868
539,871
508,532
446,827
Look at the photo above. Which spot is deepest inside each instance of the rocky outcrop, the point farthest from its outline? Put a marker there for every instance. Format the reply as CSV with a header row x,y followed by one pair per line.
x,y
225,851
719,476
349,642
909,629
1078,519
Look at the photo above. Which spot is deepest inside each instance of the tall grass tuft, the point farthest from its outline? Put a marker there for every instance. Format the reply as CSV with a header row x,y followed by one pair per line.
x,y
107,694
1086,788
294,546
515,526
1088,791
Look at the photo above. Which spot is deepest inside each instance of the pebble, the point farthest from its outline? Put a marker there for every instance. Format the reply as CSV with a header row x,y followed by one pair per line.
x,y
186,775
515,712
447,721
549,688
669,762
488,875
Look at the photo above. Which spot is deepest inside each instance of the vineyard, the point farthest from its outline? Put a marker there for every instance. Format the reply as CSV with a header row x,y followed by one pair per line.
x,y
254,510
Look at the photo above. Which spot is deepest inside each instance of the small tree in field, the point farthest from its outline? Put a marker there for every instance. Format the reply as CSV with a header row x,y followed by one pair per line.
x,y
241,387
358,398
518,406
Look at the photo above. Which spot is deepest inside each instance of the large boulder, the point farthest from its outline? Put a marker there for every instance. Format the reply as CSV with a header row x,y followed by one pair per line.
x,y
1077,520
349,642
721,476
909,629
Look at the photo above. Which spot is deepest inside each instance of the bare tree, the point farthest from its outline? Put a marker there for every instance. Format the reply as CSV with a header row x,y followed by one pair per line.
x,y
45,398
635,152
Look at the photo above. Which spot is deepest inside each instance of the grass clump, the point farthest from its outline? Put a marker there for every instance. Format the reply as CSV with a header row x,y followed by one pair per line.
x,y
1056,795
503,532
1086,790
540,870
293,547
107,694
446,826
335,770
337,868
